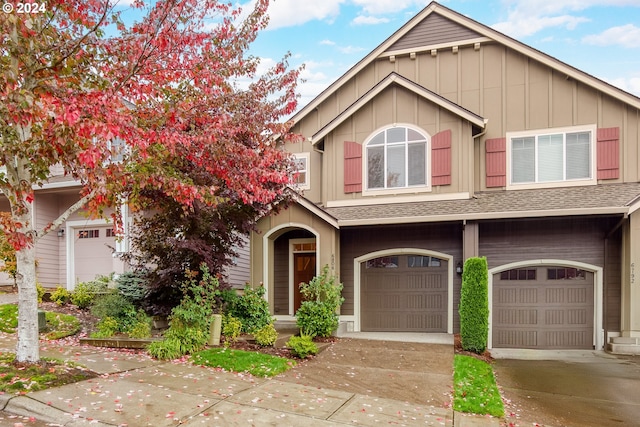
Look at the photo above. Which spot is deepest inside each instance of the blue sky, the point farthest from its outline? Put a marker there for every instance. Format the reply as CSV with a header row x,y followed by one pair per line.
x,y
600,37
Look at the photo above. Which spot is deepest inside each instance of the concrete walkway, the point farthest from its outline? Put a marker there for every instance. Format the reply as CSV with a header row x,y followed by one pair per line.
x,y
135,390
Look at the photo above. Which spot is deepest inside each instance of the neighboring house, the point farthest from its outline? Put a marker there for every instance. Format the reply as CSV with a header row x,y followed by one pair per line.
x,y
451,140
84,248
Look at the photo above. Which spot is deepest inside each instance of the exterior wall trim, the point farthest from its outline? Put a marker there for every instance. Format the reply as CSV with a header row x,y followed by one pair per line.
x,y
598,331
399,199
401,251
267,249
69,232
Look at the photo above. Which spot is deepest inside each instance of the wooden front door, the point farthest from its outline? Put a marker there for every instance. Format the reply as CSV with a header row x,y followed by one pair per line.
x,y
304,269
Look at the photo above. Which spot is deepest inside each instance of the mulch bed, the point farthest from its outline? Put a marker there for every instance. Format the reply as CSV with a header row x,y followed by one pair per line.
x,y
457,344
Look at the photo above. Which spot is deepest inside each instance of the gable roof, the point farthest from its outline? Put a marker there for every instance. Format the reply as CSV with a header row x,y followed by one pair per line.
x,y
437,27
391,79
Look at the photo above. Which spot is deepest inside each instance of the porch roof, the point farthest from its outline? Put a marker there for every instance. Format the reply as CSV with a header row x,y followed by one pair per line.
x,y
549,202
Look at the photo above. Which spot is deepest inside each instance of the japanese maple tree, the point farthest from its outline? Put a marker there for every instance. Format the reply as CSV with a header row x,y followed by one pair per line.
x,y
79,84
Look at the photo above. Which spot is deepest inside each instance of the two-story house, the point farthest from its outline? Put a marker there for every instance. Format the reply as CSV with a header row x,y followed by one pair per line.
x,y
452,140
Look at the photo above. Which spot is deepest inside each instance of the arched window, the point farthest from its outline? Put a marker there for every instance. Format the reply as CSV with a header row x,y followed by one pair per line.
x,y
396,157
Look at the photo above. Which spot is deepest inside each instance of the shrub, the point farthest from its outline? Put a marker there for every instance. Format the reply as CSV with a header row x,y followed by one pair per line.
x,y
105,328
85,292
251,309
317,315
266,336
302,346
474,306
140,329
231,329
189,322
132,287
60,296
40,291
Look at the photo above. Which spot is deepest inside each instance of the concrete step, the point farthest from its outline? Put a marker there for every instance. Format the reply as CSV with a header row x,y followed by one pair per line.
x,y
624,345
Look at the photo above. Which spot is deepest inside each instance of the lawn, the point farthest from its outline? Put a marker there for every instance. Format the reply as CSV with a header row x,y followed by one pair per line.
x,y
474,387
257,364
58,325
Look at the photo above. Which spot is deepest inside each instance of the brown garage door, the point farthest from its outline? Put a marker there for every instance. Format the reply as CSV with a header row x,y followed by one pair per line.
x,y
404,293
92,251
543,308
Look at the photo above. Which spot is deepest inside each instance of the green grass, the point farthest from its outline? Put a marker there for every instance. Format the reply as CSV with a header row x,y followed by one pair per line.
x,y
257,364
58,325
18,378
474,387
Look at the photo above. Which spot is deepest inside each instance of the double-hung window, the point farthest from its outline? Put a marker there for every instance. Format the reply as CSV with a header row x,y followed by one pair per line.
x,y
396,158
301,171
551,156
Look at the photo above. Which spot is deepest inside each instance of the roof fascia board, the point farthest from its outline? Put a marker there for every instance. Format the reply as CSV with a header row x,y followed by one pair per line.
x,y
393,77
483,216
317,211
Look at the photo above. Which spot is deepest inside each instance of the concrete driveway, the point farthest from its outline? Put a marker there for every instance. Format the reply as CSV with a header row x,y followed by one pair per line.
x,y
570,388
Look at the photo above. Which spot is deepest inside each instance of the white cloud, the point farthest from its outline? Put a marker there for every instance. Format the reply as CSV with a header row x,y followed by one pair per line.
x,y
350,49
289,13
369,20
327,42
626,36
527,17
379,7
631,85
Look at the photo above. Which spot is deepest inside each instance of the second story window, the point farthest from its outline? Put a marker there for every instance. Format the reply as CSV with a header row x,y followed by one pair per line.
x,y
301,164
549,157
396,158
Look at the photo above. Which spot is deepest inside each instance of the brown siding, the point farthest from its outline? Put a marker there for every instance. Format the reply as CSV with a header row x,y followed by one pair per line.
x,y
281,276
445,238
238,273
613,283
48,270
434,29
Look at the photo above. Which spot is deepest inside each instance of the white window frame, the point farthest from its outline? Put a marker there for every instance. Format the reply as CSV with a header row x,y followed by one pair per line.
x,y
552,131
306,185
366,191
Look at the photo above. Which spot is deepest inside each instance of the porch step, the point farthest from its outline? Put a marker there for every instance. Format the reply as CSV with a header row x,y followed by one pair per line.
x,y
624,345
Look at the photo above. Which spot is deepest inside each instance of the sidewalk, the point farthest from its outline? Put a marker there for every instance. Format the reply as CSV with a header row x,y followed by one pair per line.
x,y
136,390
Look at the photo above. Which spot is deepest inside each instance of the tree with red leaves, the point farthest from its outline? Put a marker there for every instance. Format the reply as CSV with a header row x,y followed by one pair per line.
x,y
176,83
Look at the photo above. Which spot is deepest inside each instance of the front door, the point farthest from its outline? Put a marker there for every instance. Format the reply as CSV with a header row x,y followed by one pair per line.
x,y
304,269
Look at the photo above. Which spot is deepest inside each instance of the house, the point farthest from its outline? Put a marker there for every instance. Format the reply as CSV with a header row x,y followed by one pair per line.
x,y
86,247
451,140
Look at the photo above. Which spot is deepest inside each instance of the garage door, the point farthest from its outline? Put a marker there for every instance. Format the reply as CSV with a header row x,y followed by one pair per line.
x,y
93,253
404,293
543,308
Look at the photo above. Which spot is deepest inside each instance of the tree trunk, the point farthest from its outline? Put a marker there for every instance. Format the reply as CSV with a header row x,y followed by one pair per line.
x,y
27,349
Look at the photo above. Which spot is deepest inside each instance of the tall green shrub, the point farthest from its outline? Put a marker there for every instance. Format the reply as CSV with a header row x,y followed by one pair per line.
x,y
474,305
251,309
322,296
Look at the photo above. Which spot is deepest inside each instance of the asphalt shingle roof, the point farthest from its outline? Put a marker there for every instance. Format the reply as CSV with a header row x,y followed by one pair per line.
x,y
511,203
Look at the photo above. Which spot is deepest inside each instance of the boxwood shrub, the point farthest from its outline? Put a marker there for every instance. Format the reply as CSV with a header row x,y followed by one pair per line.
x,y
474,305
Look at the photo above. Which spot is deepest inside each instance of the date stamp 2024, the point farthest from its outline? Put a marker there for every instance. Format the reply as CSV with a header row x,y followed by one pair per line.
x,y
24,8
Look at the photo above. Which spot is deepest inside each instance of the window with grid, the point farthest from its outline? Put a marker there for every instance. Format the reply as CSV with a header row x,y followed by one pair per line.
x,y
396,157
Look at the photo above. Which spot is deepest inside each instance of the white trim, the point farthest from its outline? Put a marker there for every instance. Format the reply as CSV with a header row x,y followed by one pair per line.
x,y
399,199
535,133
401,251
267,248
598,331
439,46
292,242
69,232
317,211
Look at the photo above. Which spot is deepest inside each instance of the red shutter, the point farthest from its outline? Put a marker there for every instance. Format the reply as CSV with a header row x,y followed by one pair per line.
x,y
609,153
441,158
496,162
352,167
